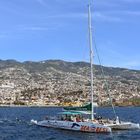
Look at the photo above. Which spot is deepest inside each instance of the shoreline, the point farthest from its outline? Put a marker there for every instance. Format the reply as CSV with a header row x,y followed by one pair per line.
x,y
29,106
38,106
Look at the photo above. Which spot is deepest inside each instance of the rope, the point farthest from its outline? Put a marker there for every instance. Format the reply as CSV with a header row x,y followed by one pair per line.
x,y
103,76
102,72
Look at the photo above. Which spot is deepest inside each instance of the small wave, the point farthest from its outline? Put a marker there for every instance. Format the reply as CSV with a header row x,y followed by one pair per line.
x,y
1,121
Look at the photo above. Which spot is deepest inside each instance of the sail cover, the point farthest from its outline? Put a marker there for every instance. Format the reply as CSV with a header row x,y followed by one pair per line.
x,y
86,107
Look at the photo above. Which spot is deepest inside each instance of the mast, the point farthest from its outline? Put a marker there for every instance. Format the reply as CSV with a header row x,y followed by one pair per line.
x,y
91,58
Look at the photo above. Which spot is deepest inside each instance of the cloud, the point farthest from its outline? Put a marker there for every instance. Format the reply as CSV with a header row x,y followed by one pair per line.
x,y
123,12
131,1
41,2
3,36
103,17
98,16
113,3
20,30
133,13
106,3
68,15
34,28
133,63
116,15
124,64
130,64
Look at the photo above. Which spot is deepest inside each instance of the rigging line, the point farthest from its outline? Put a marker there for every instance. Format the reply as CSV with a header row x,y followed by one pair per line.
x,y
102,71
103,76
83,74
91,2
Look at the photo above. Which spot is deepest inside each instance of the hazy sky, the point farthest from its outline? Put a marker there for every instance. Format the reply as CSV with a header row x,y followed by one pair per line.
x,y
37,30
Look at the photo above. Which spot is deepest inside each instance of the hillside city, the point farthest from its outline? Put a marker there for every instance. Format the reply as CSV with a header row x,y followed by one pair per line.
x,y
60,83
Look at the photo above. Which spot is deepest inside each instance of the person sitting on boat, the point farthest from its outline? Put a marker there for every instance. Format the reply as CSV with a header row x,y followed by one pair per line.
x,y
66,118
46,118
62,118
82,119
117,120
98,117
78,119
74,118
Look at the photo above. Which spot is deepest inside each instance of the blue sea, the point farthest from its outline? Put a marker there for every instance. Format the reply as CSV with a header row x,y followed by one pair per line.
x,y
15,124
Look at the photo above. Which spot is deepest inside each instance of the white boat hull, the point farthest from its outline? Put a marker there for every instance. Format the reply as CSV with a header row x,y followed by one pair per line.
x,y
124,126
76,126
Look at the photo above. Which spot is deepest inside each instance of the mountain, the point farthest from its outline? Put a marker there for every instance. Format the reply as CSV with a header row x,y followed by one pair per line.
x,y
60,82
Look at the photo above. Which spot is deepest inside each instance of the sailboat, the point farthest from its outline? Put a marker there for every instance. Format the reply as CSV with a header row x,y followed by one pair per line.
x,y
116,124
74,120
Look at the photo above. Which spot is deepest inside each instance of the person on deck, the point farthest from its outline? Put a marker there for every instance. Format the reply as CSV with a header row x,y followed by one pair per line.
x,y
78,119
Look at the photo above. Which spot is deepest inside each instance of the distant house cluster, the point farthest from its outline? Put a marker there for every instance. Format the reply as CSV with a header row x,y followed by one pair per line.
x,y
57,83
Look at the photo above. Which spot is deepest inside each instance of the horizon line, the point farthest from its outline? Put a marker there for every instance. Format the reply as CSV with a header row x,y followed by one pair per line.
x,y
36,61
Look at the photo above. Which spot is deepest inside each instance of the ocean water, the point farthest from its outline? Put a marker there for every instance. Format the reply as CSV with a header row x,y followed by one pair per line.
x,y
15,124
